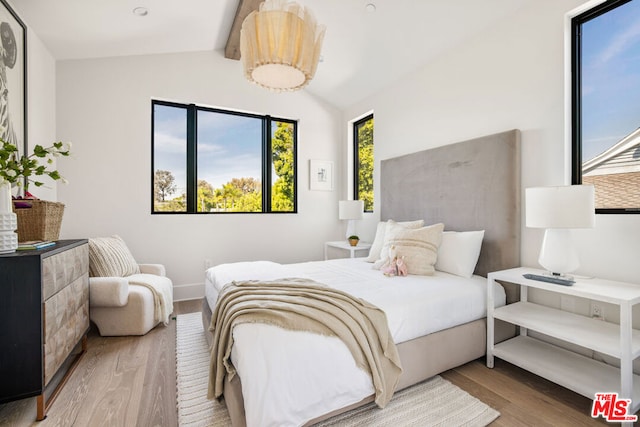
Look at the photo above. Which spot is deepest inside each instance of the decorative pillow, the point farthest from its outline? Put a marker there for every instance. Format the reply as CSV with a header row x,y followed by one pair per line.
x,y
459,252
378,241
110,257
418,247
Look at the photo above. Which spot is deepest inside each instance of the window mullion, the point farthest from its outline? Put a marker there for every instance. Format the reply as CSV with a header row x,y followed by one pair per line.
x,y
266,164
192,160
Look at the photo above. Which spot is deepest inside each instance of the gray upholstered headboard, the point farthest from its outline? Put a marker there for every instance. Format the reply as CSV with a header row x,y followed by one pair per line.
x,y
471,185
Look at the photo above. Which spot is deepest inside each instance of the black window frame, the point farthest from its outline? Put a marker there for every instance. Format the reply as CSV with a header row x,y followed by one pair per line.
x,y
576,95
356,159
192,159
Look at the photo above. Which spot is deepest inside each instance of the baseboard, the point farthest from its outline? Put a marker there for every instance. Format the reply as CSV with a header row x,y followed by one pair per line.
x,y
188,292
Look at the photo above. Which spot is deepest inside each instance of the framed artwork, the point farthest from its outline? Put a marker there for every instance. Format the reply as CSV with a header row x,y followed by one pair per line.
x,y
321,175
13,78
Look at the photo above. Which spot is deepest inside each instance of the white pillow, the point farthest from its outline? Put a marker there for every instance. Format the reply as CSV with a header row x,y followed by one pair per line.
x,y
110,257
459,252
378,241
418,247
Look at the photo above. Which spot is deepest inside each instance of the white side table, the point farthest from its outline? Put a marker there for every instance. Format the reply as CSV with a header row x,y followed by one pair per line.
x,y
581,374
345,245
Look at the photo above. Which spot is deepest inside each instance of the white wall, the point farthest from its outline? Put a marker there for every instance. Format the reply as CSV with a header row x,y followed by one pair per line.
x,y
41,105
512,76
104,109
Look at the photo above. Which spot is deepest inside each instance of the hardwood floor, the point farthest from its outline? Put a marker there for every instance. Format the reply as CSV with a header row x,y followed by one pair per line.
x,y
120,381
522,398
131,381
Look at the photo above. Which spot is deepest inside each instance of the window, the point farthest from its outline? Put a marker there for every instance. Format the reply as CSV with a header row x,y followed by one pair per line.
x,y
363,161
605,107
207,160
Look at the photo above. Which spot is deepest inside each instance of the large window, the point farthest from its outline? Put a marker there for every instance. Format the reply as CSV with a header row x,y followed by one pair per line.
x,y
208,160
363,161
606,104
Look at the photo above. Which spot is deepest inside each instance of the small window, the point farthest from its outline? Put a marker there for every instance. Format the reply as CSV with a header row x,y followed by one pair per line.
x,y
216,161
363,161
605,107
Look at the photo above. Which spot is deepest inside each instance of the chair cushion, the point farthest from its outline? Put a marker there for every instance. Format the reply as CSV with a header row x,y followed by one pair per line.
x,y
110,257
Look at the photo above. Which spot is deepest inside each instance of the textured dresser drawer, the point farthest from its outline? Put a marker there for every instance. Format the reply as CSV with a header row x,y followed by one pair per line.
x,y
66,319
60,270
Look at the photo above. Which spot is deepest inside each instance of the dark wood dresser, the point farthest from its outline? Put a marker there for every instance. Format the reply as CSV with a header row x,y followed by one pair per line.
x,y
44,319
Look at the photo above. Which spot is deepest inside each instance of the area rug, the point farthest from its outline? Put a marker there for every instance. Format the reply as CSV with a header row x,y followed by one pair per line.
x,y
435,402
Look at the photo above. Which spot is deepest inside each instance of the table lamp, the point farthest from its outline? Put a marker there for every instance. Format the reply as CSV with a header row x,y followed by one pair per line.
x,y
350,210
558,210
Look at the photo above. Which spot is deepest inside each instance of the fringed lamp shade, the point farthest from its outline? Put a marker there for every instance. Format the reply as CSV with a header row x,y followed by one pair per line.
x,y
280,45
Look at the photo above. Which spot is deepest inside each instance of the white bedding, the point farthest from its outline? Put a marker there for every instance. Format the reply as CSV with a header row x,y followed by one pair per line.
x,y
299,376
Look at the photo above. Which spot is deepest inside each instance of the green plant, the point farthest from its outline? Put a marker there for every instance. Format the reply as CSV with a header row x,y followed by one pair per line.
x,y
354,237
14,168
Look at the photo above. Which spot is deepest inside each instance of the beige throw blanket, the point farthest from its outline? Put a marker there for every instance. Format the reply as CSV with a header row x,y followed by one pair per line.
x,y
304,305
162,290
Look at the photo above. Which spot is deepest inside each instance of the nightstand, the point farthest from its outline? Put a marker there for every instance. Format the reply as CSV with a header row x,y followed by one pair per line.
x,y
582,374
344,245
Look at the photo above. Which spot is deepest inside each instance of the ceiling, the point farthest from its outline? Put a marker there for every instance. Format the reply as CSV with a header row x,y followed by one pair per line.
x,y
362,52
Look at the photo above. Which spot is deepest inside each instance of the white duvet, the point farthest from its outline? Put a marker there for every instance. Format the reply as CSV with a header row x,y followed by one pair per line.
x,y
289,378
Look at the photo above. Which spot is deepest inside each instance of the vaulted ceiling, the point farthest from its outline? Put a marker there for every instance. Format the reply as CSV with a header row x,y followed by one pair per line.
x,y
363,50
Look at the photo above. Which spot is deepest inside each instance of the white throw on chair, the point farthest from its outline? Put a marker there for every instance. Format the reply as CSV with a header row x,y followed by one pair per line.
x,y
126,298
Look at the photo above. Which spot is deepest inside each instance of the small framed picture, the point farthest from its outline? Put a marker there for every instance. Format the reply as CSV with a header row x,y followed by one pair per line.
x,y
321,175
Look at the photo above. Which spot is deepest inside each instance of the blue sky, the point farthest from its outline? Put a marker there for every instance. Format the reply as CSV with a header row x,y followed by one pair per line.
x,y
611,78
229,146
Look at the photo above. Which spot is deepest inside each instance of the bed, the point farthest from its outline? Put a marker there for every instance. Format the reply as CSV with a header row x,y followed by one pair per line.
x,y
468,186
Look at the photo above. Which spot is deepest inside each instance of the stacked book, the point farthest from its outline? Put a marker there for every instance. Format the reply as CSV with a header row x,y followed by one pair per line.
x,y
34,245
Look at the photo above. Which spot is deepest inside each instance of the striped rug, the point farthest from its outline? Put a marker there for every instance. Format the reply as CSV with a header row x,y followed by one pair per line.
x,y
435,402
192,367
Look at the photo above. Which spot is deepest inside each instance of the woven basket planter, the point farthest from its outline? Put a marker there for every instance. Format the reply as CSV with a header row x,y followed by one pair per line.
x,y
41,221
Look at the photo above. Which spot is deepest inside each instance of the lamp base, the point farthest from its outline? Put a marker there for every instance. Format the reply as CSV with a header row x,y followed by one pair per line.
x,y
558,254
351,229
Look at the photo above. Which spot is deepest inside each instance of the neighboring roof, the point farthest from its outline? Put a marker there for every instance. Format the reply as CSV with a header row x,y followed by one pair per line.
x,y
623,157
616,191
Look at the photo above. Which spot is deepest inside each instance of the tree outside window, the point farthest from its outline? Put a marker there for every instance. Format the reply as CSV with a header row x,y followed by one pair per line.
x,y
363,159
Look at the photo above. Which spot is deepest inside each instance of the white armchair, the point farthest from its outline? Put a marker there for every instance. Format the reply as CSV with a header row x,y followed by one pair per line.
x,y
127,303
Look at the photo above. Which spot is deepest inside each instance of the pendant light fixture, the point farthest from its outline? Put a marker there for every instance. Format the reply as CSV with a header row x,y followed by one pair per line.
x,y
280,45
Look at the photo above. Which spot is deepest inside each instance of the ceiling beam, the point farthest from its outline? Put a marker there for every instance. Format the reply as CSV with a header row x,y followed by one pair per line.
x,y
245,7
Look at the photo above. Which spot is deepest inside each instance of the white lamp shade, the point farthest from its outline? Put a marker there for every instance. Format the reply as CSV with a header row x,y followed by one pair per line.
x,y
350,209
571,206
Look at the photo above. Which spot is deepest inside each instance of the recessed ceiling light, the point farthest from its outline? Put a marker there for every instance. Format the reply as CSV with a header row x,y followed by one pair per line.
x,y
141,11
370,7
